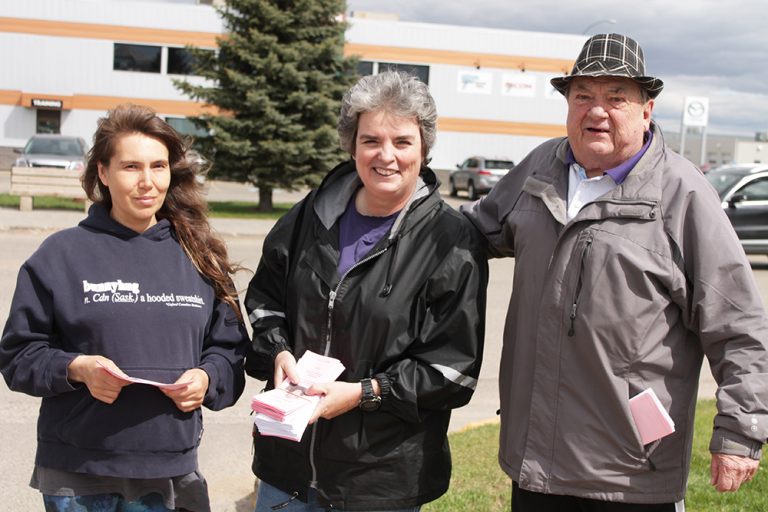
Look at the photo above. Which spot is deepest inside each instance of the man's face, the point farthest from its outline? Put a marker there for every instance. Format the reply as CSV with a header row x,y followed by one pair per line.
x,y
607,118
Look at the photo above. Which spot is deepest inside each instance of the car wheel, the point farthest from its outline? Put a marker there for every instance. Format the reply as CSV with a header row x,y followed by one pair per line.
x,y
452,190
472,191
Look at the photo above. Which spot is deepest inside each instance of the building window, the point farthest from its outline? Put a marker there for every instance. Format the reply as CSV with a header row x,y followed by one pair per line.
x,y
48,121
365,68
181,61
137,57
185,127
420,72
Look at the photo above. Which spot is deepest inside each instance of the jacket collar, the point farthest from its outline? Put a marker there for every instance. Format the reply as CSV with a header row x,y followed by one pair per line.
x,y
342,182
641,187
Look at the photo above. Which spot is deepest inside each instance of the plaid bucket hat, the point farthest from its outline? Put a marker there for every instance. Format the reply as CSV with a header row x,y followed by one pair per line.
x,y
611,55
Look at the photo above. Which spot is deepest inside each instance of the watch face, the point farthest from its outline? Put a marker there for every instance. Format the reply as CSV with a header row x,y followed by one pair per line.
x,y
370,404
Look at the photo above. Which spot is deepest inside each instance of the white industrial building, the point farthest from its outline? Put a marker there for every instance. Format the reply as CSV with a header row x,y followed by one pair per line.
x,y
64,64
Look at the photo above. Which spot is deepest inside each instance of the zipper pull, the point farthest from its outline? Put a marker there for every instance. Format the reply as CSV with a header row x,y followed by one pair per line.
x,y
331,299
572,330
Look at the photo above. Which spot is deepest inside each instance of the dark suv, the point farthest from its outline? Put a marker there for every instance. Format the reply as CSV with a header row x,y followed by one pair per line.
x,y
478,174
743,189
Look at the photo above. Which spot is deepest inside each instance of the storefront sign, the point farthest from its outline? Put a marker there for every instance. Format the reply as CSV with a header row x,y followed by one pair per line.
x,y
518,84
475,82
46,103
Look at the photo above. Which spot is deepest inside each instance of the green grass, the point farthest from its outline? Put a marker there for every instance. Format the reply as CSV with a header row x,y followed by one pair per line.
x,y
478,484
228,209
246,210
43,203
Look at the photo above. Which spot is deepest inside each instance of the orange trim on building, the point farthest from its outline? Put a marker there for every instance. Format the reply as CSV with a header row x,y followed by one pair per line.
x,y
109,32
450,124
26,100
476,60
91,102
191,108
10,97
208,40
177,107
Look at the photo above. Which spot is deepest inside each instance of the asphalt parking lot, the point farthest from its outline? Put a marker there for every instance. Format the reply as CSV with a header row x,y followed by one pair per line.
x,y
225,451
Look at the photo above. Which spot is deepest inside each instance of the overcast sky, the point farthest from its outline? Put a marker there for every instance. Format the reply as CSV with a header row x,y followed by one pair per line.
x,y
712,48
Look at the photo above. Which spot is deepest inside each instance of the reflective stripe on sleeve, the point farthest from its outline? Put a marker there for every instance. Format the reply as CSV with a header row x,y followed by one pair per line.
x,y
258,314
456,377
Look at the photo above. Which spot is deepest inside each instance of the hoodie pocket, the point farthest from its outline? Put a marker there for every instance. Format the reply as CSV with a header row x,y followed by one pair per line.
x,y
142,419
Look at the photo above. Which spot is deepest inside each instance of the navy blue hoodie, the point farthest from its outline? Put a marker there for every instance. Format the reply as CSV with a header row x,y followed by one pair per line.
x,y
103,289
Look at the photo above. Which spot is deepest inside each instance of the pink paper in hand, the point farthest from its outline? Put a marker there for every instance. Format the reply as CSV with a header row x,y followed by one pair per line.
x,y
136,380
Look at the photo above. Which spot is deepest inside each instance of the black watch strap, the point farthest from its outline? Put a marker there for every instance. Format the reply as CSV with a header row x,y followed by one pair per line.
x,y
369,401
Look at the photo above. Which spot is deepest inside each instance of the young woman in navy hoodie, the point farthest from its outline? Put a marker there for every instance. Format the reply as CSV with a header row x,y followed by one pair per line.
x,y
141,288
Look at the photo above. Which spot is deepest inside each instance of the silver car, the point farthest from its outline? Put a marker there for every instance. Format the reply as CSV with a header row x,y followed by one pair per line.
x,y
478,174
51,150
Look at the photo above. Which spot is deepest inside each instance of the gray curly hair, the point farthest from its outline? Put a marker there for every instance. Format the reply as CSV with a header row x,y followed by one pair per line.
x,y
396,92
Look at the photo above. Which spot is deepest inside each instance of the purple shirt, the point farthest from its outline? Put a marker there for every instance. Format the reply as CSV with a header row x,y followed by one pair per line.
x,y
358,234
620,172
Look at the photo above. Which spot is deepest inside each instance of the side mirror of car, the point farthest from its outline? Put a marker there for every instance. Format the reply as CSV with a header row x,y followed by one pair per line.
x,y
736,199
18,150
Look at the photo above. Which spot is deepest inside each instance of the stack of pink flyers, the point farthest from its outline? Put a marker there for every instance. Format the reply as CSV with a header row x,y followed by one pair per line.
x,y
285,411
651,419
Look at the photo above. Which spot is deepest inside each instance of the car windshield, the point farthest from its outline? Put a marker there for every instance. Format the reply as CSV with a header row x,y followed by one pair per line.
x,y
499,164
64,147
723,180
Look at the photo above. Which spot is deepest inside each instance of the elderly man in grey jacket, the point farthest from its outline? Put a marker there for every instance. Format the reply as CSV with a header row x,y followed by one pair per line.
x,y
627,273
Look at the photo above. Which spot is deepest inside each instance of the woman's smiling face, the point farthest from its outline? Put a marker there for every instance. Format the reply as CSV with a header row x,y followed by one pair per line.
x,y
388,157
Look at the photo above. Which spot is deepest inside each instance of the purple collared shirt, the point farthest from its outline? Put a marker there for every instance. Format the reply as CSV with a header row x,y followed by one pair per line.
x,y
620,172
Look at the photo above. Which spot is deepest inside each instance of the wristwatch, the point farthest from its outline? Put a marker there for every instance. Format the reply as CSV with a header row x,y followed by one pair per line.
x,y
370,401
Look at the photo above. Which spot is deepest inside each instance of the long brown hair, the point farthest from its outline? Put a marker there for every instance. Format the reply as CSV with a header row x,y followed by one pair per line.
x,y
184,206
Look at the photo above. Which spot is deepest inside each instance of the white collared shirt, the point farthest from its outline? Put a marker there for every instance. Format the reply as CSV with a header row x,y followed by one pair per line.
x,y
583,190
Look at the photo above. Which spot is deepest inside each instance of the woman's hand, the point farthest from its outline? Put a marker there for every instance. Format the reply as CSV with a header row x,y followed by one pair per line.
x,y
191,397
285,368
92,371
337,398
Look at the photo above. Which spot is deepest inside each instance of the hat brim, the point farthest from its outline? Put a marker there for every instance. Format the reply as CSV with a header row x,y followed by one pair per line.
x,y
652,85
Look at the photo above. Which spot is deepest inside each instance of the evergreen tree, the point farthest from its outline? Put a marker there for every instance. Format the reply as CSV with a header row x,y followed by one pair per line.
x,y
277,80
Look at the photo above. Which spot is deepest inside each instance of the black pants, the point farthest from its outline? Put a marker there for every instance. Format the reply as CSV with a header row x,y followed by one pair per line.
x,y
527,501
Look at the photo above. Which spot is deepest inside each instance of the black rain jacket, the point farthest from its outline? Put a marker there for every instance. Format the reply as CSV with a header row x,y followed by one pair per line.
x,y
410,314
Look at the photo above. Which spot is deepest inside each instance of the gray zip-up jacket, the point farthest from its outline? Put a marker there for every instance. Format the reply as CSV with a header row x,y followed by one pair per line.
x,y
629,295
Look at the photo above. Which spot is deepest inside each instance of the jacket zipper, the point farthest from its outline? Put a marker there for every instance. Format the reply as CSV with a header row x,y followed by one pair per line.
x,y
575,303
327,350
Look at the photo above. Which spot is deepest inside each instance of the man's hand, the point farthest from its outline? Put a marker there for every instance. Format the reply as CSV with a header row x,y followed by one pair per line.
x,y
729,472
191,397
91,371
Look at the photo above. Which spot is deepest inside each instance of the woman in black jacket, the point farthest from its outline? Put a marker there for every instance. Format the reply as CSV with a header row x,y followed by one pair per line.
x,y
374,269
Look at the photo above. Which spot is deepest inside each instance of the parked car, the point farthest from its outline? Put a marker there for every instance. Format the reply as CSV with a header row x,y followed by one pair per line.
x,y
53,150
478,174
743,190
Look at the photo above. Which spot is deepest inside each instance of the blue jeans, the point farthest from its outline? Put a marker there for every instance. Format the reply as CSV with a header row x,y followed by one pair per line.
x,y
271,498
104,503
